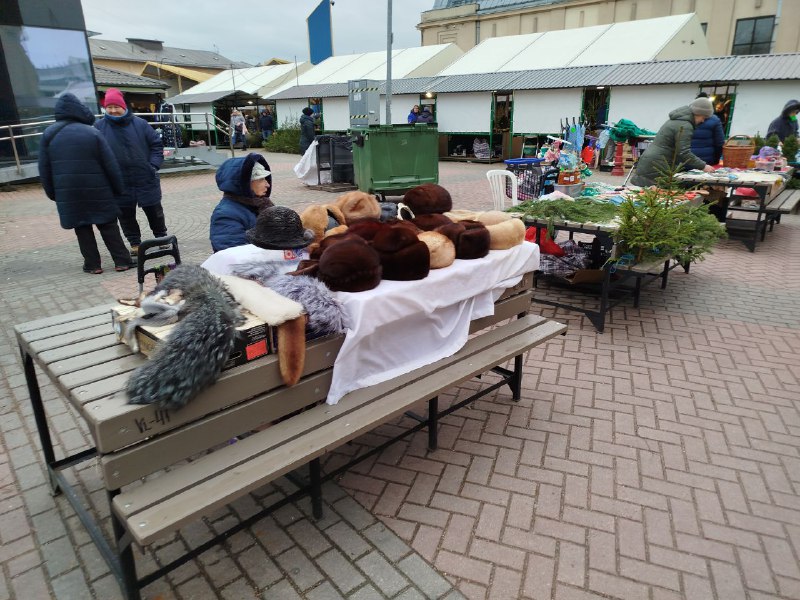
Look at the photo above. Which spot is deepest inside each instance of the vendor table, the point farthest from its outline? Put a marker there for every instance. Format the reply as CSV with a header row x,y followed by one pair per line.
x,y
614,284
767,185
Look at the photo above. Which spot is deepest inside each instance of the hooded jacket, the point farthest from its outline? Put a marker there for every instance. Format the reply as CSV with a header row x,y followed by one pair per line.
x,y
77,168
672,145
783,126
140,152
237,211
708,139
306,132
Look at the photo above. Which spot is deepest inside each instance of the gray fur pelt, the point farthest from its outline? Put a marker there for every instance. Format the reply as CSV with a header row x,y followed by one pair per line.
x,y
325,314
191,358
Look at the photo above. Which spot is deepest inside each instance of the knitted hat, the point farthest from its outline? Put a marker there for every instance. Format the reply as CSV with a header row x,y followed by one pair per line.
x,y
279,228
350,265
307,111
114,96
702,106
259,172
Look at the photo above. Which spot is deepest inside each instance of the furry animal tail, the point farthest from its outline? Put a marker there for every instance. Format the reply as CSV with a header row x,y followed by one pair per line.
x,y
191,358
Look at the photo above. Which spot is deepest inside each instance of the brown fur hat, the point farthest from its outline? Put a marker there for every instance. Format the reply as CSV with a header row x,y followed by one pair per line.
x,y
427,199
443,251
327,242
358,205
349,265
319,218
403,256
430,222
471,238
366,228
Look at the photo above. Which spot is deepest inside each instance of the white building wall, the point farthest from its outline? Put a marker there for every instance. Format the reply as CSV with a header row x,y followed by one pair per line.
x,y
758,103
649,106
289,109
464,112
401,106
336,113
198,119
540,111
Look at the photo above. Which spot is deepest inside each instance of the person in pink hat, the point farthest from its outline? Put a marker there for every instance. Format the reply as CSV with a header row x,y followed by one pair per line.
x,y
139,152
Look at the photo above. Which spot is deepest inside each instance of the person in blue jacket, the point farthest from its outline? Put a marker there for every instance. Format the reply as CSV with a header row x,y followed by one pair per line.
x,y
708,138
79,171
140,152
246,183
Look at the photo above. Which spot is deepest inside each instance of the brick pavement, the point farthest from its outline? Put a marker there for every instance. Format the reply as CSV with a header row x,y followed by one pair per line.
x,y
658,460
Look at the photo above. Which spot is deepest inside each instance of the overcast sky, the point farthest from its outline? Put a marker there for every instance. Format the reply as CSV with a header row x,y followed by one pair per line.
x,y
255,31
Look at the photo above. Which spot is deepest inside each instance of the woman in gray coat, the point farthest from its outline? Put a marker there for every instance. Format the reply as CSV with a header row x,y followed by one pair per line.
x,y
671,148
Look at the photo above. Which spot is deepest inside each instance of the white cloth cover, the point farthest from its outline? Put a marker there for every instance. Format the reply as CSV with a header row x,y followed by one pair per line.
x,y
222,262
400,326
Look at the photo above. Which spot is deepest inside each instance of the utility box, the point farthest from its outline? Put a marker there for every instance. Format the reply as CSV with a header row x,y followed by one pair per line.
x,y
365,102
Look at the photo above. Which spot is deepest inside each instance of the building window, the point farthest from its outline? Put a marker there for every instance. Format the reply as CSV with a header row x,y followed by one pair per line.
x,y
753,36
704,27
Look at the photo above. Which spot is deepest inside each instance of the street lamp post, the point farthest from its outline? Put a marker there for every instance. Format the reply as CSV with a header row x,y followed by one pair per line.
x,y
389,62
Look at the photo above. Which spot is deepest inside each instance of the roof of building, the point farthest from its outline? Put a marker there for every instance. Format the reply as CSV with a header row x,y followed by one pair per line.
x,y
112,78
154,50
734,69
490,6
252,81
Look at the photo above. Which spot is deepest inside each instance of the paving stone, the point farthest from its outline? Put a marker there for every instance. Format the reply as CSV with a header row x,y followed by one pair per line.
x,y
382,574
340,570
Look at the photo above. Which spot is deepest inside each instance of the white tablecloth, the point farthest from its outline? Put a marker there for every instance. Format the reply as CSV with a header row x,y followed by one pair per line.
x,y
402,325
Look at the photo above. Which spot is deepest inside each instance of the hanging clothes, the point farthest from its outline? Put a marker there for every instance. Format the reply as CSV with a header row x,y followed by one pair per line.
x,y
171,132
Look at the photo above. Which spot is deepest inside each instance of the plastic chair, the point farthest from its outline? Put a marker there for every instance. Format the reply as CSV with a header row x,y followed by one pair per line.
x,y
498,180
163,246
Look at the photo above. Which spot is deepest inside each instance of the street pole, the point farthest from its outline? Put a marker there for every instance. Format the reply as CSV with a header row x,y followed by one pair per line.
x,y
389,63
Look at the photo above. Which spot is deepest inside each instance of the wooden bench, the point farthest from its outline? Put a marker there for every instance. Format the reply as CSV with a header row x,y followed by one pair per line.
x,y
81,356
784,203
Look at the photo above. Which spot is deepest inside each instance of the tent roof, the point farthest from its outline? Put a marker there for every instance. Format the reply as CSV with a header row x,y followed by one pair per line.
x,y
252,80
632,41
182,71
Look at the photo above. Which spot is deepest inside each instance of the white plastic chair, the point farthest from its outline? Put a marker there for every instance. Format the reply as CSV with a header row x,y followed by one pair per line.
x,y
497,182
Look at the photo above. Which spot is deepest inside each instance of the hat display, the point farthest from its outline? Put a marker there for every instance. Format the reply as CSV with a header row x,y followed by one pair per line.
x,y
471,239
259,172
279,228
428,198
431,221
702,106
442,250
366,228
358,205
321,218
506,234
404,257
114,96
349,265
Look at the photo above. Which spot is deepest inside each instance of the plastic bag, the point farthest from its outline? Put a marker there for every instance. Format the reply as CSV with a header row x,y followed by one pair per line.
x,y
306,168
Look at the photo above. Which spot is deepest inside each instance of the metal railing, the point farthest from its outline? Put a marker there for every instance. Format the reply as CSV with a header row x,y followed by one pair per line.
x,y
207,122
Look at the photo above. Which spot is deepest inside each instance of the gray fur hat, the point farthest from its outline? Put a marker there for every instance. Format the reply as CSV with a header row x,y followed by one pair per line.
x,y
279,228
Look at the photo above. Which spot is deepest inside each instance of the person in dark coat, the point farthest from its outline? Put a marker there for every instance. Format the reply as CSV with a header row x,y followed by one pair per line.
x,y
786,124
306,129
672,146
246,183
79,171
425,116
266,123
139,151
708,138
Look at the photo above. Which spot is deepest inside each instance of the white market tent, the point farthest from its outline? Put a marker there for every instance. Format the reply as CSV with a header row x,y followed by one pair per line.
x,y
338,70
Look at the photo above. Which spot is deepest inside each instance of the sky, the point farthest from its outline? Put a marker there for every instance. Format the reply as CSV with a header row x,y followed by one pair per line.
x,y
255,31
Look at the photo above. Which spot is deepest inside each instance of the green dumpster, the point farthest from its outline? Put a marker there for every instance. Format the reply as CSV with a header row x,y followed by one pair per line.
x,y
395,158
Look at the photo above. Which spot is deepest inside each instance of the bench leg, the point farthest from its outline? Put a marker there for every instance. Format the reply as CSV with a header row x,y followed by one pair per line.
x,y
129,582
433,423
315,487
40,416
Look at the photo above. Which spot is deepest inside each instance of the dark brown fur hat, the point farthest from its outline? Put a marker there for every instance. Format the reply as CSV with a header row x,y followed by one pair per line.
x,y
427,199
349,265
403,256
366,228
431,221
471,239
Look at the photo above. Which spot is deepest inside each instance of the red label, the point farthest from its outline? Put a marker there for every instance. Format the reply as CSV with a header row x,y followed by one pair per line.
x,y
255,350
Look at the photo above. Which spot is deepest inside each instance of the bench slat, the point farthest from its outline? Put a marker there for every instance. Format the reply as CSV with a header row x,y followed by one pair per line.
x,y
169,502
65,318
89,359
64,352
62,341
77,325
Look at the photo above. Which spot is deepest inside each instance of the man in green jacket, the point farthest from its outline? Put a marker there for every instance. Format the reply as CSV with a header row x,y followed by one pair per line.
x,y
671,147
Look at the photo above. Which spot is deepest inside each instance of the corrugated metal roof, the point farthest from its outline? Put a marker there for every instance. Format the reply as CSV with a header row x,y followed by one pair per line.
x,y
415,85
113,78
758,67
475,83
567,77
182,57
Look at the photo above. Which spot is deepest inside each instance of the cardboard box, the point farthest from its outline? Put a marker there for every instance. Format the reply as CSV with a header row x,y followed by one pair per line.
x,y
252,342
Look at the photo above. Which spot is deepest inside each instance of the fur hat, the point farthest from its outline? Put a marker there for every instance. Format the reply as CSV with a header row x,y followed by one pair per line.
x,y
430,222
487,217
114,96
349,265
506,234
320,218
442,250
403,256
471,239
702,106
279,228
428,198
366,228
358,205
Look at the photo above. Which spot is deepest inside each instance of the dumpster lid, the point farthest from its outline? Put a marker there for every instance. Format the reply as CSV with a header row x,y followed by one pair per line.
x,y
523,161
